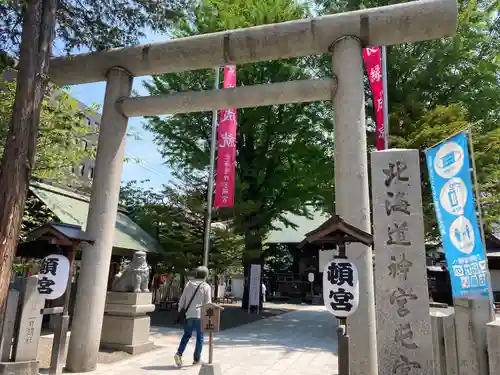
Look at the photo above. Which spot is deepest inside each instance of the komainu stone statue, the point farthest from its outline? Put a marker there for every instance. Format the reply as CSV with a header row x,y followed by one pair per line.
x,y
135,277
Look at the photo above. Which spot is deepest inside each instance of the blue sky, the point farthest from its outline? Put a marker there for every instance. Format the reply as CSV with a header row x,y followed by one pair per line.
x,y
151,166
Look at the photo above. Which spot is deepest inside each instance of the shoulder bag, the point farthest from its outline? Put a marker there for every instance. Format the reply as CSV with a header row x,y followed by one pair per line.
x,y
181,316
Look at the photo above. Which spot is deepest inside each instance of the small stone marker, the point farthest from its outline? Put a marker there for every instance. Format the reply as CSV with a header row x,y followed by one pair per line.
x,y
404,337
9,325
31,322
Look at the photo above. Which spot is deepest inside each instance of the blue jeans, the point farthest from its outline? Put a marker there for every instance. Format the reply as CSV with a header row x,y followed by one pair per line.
x,y
192,324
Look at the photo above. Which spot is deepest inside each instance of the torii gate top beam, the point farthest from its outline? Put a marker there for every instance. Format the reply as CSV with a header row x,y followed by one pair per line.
x,y
394,24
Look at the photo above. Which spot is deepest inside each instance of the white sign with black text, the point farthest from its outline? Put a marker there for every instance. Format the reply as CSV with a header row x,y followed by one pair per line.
x,y
341,287
255,285
53,276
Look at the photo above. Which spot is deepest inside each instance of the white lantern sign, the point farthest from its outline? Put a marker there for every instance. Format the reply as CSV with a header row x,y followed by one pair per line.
x,y
310,277
341,287
53,276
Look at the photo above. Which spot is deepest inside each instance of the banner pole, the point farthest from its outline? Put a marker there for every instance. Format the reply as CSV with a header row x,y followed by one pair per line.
x,y
480,218
385,96
210,194
476,186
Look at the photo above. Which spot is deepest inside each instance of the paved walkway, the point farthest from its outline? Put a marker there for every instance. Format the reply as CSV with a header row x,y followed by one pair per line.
x,y
299,342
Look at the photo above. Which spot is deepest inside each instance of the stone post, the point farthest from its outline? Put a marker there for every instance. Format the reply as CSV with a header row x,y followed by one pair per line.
x,y
92,283
10,321
471,317
444,341
402,296
30,323
493,334
352,195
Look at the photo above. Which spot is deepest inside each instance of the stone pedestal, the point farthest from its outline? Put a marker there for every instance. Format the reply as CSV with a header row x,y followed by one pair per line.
x,y
19,368
126,325
210,369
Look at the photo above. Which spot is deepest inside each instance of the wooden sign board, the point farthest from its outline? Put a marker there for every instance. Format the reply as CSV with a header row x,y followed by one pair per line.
x,y
210,317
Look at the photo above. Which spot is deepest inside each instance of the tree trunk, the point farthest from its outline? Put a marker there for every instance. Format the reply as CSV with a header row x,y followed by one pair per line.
x,y
19,152
252,255
216,285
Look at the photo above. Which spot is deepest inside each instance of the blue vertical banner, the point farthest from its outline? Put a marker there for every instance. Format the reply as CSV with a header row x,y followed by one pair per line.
x,y
449,171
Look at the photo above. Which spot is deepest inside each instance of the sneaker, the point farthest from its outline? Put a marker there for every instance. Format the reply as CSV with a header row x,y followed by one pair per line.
x,y
178,360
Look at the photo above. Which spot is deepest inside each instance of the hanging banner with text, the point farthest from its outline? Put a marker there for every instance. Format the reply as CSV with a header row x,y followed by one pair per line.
x,y
451,183
226,148
372,58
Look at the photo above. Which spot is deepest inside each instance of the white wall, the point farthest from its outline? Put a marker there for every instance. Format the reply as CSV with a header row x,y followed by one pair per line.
x,y
221,291
237,286
495,280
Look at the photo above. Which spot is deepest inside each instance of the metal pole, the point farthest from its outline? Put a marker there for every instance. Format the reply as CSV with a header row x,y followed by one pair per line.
x,y
480,217
343,348
61,331
210,194
386,101
210,347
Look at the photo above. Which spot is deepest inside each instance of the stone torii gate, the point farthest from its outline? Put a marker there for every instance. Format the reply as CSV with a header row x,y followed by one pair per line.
x,y
342,35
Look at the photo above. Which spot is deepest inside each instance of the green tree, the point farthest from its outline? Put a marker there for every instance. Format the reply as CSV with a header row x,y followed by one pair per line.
x,y
176,217
284,153
59,145
30,28
433,127
463,69
438,87
63,130
96,24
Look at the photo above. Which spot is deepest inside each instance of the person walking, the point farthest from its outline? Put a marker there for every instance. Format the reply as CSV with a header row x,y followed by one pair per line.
x,y
196,293
263,290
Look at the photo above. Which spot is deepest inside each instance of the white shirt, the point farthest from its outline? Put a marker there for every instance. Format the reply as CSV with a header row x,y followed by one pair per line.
x,y
264,289
203,296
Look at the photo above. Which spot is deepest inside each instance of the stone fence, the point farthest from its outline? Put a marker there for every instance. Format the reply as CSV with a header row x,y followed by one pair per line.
x,y
464,342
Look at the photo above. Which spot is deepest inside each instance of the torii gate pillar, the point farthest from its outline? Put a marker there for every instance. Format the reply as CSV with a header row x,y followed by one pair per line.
x,y
92,283
351,184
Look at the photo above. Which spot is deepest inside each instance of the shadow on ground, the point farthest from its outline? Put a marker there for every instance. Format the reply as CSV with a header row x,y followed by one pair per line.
x,y
232,316
272,330
162,368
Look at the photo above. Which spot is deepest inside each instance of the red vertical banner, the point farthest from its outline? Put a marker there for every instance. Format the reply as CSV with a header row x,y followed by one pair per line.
x,y
373,62
226,148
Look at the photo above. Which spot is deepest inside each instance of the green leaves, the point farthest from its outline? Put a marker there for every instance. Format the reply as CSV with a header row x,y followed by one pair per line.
x,y
176,217
283,152
97,24
64,138
439,87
